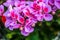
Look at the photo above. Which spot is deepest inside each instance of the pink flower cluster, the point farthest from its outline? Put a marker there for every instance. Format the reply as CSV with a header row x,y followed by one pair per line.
x,y
23,15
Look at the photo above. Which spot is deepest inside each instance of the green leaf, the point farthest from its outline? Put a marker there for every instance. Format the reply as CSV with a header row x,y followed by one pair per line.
x,y
33,36
58,20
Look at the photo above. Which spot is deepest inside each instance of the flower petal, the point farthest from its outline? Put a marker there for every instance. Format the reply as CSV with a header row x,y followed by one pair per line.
x,y
24,33
1,9
29,29
57,3
48,17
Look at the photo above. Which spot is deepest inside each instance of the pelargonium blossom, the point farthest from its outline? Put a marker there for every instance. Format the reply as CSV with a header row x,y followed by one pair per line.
x,y
23,15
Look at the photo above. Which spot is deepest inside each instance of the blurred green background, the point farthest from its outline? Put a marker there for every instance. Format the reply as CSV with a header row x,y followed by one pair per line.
x,y
43,30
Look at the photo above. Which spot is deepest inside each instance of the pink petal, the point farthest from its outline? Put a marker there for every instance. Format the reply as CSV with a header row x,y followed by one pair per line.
x,y
1,10
47,9
24,33
48,17
57,3
29,29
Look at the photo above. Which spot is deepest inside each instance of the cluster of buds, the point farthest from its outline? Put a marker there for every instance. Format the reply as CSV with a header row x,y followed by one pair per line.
x,y
23,15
